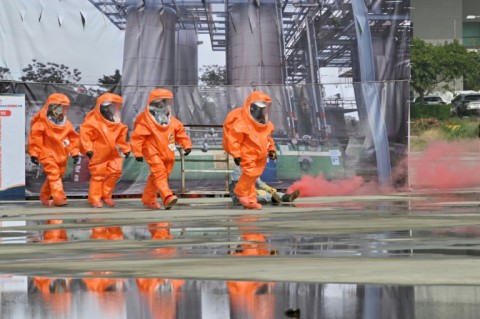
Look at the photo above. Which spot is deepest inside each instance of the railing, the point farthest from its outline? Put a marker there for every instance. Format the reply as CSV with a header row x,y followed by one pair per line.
x,y
184,171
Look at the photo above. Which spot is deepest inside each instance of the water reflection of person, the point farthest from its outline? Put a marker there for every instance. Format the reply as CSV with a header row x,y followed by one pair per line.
x,y
253,243
107,233
161,231
109,292
55,294
54,235
161,295
251,300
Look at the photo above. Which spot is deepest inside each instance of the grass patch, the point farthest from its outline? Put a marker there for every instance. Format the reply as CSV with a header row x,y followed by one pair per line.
x,y
426,130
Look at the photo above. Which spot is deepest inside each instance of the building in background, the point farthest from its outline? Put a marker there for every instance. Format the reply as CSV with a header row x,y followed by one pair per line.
x,y
440,21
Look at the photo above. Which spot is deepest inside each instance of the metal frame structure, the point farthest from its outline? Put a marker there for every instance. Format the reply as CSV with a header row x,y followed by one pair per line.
x,y
326,27
184,170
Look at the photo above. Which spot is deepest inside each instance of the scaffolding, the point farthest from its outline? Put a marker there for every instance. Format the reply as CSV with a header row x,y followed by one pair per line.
x,y
327,26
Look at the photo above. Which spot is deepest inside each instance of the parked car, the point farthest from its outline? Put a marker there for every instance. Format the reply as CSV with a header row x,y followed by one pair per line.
x,y
466,104
430,99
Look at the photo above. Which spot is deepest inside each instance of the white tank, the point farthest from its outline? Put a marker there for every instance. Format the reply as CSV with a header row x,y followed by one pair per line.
x,y
149,54
254,45
186,64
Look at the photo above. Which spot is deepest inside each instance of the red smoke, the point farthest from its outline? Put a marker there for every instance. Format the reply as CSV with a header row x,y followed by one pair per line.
x,y
310,186
441,166
446,165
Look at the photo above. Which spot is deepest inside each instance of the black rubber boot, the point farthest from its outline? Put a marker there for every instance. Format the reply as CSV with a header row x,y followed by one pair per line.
x,y
276,199
291,197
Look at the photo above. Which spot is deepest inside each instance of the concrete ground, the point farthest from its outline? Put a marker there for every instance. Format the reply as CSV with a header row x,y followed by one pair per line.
x,y
407,239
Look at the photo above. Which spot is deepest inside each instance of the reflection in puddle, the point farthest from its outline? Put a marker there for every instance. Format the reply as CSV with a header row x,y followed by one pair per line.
x,y
107,297
245,236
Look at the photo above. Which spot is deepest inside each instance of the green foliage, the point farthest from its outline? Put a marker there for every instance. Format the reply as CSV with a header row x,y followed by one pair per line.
x,y
471,79
460,129
440,111
109,80
453,128
4,75
4,72
213,75
420,125
50,73
436,64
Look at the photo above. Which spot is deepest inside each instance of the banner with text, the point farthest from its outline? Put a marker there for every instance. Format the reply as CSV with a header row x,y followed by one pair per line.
x,y
12,146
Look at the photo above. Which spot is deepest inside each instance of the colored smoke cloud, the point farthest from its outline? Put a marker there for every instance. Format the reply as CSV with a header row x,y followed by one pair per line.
x,y
441,166
446,165
310,186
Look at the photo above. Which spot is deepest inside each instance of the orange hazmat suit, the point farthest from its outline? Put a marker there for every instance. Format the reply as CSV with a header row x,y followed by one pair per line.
x,y
156,143
49,144
246,139
100,134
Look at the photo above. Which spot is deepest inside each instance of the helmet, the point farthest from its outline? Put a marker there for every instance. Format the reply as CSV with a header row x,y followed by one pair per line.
x,y
57,113
161,110
110,111
260,110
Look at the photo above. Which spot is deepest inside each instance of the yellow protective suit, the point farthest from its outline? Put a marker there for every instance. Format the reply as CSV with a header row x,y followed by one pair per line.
x,y
245,138
101,137
51,144
156,144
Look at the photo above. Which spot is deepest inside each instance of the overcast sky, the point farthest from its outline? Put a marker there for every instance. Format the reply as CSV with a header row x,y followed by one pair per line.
x,y
52,31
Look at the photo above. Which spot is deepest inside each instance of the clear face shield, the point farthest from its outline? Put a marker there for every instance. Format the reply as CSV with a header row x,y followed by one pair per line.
x,y
57,114
161,110
110,111
260,111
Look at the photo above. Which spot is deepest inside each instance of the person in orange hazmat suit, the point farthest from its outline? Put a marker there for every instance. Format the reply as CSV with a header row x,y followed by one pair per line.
x,y
100,134
154,137
247,137
52,138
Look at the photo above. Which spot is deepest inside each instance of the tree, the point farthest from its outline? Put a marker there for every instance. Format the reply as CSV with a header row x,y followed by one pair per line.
x,y
471,79
109,80
434,65
4,73
50,73
213,75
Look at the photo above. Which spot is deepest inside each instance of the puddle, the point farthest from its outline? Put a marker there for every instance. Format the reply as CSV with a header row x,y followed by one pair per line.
x,y
112,297
321,255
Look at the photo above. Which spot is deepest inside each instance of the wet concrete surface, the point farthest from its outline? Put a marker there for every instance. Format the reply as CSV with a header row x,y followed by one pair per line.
x,y
412,255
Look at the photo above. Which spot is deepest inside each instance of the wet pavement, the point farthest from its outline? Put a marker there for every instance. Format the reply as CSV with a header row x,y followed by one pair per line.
x,y
412,255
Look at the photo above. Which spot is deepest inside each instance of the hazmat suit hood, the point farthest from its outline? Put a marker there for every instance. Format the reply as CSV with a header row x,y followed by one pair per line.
x,y
54,111
256,109
107,109
158,110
